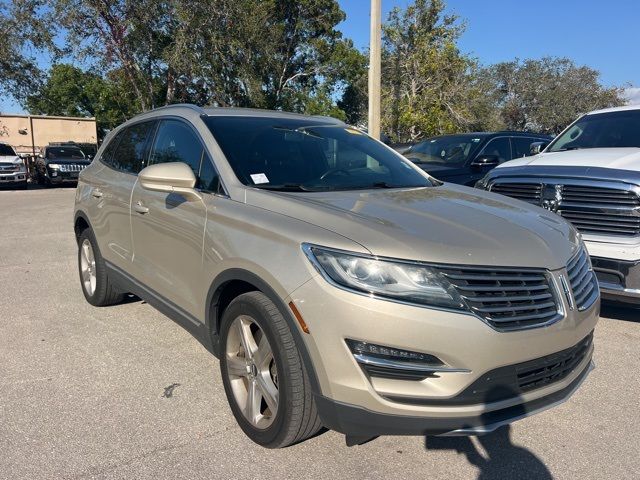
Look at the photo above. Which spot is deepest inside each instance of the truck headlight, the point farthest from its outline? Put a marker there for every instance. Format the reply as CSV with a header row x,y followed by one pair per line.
x,y
482,183
54,165
393,279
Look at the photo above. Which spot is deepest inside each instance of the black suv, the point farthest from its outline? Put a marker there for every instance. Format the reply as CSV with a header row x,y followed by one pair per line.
x,y
465,158
59,164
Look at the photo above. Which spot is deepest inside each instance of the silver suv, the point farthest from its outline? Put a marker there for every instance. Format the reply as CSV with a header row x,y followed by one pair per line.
x,y
339,284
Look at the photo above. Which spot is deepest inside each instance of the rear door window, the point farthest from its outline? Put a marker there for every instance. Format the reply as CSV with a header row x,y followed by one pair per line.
x,y
130,154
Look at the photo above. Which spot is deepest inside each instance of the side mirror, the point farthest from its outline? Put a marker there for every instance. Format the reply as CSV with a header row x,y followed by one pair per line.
x,y
173,177
483,161
536,147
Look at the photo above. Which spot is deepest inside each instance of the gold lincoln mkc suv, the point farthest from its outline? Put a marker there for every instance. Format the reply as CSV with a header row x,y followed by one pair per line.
x,y
339,284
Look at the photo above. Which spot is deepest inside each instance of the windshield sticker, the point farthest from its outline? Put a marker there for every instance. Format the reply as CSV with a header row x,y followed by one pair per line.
x,y
259,178
475,140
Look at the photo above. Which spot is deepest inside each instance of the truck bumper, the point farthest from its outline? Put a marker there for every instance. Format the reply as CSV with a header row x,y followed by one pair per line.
x,y
13,180
619,279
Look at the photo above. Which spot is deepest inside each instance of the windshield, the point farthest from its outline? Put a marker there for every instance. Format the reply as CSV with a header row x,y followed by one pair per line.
x,y
601,130
452,151
6,151
303,155
65,152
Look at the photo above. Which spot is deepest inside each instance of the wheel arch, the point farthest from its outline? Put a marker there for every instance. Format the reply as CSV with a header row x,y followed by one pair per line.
x,y
235,281
80,223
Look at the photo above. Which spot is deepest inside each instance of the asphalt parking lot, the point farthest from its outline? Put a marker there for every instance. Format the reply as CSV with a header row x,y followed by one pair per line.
x,y
123,392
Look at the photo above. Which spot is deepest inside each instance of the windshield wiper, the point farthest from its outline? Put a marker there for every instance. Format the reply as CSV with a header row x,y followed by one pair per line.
x,y
286,187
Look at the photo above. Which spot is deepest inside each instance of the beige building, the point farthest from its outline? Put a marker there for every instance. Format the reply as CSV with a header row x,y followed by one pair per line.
x,y
28,133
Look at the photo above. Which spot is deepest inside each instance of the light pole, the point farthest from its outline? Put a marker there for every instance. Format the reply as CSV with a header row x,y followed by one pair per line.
x,y
375,58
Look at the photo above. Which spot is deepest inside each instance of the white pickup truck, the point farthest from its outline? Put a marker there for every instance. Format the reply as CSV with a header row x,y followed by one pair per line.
x,y
13,172
589,174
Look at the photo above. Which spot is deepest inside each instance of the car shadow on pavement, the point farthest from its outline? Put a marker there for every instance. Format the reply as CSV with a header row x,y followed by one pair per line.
x,y
619,312
502,459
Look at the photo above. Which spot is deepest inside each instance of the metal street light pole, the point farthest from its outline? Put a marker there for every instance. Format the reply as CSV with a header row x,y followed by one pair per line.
x,y
375,69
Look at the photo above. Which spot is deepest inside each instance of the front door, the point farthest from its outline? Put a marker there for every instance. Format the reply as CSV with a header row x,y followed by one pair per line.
x,y
168,229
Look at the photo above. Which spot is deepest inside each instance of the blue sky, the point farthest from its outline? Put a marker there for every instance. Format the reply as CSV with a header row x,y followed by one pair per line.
x,y
602,35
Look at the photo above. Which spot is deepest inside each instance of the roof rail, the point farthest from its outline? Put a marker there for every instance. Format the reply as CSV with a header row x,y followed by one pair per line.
x,y
196,108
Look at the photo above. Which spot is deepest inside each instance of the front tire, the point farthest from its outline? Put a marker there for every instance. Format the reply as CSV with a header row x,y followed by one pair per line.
x,y
97,288
264,378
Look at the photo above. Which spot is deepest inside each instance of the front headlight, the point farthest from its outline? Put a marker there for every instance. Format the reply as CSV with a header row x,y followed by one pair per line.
x,y
398,280
54,165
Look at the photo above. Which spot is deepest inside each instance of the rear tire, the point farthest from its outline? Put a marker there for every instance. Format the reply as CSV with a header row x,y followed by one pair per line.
x,y
97,288
252,319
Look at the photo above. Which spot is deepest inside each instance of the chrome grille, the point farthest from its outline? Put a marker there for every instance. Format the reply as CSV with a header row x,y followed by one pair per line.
x,y
528,192
507,299
583,281
71,167
592,209
9,167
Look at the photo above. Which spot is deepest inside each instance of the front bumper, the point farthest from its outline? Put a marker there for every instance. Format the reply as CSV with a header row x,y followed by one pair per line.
x,y
361,422
619,279
57,176
19,178
352,402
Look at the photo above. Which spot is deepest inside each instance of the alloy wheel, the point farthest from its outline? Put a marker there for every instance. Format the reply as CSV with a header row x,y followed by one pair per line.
x,y
88,267
252,371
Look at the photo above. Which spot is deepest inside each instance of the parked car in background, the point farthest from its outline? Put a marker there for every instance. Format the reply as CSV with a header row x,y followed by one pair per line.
x,y
402,147
590,175
339,284
89,149
13,172
467,157
56,165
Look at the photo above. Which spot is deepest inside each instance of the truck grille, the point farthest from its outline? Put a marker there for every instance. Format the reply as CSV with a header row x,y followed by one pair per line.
x,y
592,209
8,167
507,299
71,167
583,281
528,192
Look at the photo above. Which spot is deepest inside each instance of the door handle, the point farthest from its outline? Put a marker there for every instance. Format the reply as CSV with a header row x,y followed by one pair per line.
x,y
140,208
96,193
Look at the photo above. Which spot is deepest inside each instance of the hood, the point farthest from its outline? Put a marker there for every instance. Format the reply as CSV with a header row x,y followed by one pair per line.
x,y
448,224
10,159
616,158
66,161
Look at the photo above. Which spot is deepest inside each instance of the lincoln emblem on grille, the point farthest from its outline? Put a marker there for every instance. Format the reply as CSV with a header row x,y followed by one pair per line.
x,y
551,197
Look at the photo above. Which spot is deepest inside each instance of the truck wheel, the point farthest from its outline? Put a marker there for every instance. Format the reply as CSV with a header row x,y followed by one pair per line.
x,y
96,285
264,378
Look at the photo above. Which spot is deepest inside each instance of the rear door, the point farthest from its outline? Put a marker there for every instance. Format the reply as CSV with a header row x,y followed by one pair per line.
x,y
168,229
110,192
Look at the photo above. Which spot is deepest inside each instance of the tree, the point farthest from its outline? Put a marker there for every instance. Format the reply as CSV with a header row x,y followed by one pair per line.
x,y
261,53
547,94
19,35
428,86
70,91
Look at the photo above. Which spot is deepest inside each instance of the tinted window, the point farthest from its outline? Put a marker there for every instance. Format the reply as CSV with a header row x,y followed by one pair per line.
x,y
208,179
499,147
130,152
64,153
110,148
6,150
177,142
522,146
601,130
453,150
303,154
